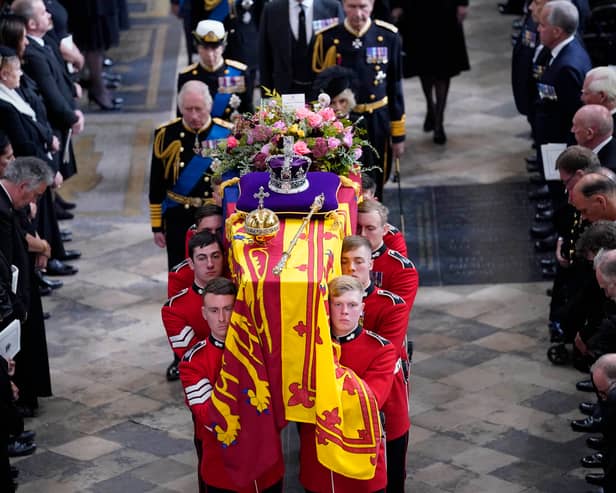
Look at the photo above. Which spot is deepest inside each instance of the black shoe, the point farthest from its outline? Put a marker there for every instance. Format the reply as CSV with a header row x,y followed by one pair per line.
x,y
172,372
439,136
70,255
546,244
595,479
586,425
595,443
545,215
549,272
531,159
428,125
66,236
540,193
64,204
19,449
56,267
593,460
47,282
45,291
14,472
532,168
115,104
27,436
542,230
547,262
46,315
587,408
107,62
585,386
549,292
62,214
543,205
536,179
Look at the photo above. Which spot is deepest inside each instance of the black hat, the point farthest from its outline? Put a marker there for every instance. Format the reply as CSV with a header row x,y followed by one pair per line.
x,y
334,80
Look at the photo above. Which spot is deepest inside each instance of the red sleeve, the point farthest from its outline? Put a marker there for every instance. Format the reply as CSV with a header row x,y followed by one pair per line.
x,y
379,376
197,376
392,324
179,331
395,241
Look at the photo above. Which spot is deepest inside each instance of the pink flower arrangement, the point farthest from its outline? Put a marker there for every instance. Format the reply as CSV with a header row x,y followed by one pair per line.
x,y
333,145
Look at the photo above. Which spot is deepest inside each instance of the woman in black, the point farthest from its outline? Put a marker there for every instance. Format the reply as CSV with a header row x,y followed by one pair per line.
x,y
433,40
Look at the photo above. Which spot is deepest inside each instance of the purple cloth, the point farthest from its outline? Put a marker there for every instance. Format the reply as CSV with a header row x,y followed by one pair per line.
x,y
320,182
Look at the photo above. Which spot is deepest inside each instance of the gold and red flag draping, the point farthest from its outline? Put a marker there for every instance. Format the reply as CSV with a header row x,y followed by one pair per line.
x,y
279,363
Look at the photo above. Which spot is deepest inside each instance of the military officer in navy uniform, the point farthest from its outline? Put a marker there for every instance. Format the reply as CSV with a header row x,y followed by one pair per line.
x,y
226,79
180,177
372,50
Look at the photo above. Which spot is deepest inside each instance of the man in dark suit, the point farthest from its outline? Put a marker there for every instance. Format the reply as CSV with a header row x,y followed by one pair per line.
x,y
600,88
284,41
42,63
593,129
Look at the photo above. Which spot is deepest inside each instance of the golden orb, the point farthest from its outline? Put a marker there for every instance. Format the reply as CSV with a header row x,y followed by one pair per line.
x,y
262,224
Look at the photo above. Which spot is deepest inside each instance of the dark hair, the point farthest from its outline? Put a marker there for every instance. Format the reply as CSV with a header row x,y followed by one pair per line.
x,y
600,234
207,210
367,183
219,285
4,141
202,239
575,158
12,28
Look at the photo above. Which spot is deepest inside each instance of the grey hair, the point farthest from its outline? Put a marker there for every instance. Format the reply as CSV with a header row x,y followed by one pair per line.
x,y
194,87
603,79
30,170
24,8
563,14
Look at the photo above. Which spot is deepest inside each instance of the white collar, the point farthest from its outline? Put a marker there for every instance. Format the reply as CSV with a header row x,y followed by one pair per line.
x,y
557,49
38,40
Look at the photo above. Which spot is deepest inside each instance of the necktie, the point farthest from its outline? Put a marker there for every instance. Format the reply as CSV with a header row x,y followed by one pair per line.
x,y
301,26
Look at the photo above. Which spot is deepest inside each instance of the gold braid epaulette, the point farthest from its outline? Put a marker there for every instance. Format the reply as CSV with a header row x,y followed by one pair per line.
x,y
347,182
228,183
322,61
170,156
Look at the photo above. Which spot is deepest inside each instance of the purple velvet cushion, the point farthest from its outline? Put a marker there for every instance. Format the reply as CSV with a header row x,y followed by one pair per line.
x,y
320,182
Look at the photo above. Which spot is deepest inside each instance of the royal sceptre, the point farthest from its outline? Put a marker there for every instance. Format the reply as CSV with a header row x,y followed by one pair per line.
x,y
317,203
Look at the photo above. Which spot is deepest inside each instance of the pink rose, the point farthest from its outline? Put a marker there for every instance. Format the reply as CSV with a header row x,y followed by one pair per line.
x,y
357,153
347,138
319,149
231,142
338,125
314,120
265,150
328,114
300,147
280,126
302,113
333,142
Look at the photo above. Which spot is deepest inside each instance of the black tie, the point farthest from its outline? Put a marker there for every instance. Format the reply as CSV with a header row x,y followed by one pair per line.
x,y
301,26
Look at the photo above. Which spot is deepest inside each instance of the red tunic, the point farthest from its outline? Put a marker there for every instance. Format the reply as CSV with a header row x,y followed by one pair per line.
x,y
190,232
183,320
387,314
179,278
394,272
373,359
198,371
394,240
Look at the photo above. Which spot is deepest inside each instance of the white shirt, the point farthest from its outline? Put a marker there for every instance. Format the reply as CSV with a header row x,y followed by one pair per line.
x,y
294,10
40,41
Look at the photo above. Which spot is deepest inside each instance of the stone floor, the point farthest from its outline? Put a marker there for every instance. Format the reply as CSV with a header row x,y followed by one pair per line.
x,y
490,413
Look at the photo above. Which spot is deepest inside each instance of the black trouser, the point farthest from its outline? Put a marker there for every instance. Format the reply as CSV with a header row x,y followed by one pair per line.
x,y
396,463
177,221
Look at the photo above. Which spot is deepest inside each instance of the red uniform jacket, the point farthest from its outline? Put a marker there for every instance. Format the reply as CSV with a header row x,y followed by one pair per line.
x,y
373,359
386,314
394,272
198,371
394,240
180,277
183,320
